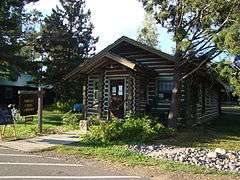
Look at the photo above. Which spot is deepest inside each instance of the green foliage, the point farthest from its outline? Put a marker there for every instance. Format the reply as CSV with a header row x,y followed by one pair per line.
x,y
230,73
63,106
66,40
211,26
201,30
71,118
12,38
130,129
148,33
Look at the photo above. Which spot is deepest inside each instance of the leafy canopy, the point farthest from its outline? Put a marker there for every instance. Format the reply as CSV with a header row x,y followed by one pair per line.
x,y
12,38
202,29
230,72
66,41
148,33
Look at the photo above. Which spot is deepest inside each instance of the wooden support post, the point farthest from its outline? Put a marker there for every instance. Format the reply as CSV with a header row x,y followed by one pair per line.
x,y
40,109
3,130
39,94
84,100
14,129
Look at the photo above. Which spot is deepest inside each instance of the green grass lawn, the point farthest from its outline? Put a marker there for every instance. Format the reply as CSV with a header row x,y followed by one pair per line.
x,y
52,123
223,132
119,153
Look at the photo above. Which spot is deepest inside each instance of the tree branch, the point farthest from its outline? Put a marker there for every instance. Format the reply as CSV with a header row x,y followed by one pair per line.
x,y
194,70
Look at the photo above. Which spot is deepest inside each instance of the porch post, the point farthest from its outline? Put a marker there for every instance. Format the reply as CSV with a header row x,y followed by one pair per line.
x,y
84,99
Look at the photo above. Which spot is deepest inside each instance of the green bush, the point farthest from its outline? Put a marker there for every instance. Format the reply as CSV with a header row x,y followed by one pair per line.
x,y
130,129
63,106
72,119
138,129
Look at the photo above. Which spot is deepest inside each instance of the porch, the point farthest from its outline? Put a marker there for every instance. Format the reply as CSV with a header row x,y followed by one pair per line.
x,y
115,87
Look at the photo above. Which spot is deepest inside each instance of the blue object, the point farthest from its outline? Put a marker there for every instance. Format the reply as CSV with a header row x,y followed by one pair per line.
x,y
78,107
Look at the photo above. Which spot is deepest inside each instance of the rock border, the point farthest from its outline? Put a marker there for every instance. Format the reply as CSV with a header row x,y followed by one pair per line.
x,y
218,159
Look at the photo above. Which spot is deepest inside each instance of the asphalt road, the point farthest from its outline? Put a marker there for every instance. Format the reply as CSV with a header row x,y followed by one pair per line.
x,y
18,165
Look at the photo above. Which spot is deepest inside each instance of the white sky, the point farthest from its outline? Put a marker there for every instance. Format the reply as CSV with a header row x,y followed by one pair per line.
x,y
112,19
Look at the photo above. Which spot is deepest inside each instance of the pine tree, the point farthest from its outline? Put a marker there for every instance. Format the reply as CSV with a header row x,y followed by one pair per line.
x,y
230,73
148,33
202,30
11,38
66,41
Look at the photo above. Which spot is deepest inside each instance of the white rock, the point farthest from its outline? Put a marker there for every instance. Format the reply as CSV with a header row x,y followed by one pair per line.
x,y
212,155
220,151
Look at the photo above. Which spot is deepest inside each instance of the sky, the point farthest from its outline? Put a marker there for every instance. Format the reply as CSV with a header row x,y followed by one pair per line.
x,y
112,19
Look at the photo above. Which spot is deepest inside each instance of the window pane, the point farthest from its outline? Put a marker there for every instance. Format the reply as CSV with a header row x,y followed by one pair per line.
x,y
114,90
164,90
120,90
165,86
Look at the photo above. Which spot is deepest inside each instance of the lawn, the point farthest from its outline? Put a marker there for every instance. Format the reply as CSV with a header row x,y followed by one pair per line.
x,y
121,154
52,123
223,132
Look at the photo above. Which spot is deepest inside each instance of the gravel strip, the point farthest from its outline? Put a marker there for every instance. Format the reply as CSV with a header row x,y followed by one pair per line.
x,y
219,159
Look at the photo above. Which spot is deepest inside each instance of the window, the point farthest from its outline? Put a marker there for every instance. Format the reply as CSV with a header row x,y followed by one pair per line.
x,y
8,93
95,91
114,91
164,90
120,90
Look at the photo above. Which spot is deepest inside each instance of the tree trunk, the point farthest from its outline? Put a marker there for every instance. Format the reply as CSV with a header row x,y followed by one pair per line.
x,y
176,97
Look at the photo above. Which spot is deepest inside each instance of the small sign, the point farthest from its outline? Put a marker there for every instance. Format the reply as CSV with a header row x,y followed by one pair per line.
x,y
28,104
5,116
28,119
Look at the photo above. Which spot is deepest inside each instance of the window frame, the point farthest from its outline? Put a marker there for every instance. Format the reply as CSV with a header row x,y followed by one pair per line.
x,y
165,93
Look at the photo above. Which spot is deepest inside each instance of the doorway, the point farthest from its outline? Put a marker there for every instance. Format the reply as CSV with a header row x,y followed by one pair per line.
x,y
117,97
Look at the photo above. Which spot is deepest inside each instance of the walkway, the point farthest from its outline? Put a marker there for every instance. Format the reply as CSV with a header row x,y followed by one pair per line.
x,y
41,143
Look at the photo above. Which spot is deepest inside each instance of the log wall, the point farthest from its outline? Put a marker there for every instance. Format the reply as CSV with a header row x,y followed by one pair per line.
x,y
208,103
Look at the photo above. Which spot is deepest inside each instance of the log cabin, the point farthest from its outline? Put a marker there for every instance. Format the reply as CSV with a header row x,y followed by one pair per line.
x,y
128,76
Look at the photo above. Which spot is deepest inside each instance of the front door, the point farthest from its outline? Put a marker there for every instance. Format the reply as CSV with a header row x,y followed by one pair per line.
x,y
117,90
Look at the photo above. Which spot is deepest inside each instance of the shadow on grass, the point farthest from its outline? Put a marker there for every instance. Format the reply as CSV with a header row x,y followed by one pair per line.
x,y
223,132
51,118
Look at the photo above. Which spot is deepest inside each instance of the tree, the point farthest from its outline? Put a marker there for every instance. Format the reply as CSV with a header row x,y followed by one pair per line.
x,y
202,30
66,41
147,34
11,37
230,72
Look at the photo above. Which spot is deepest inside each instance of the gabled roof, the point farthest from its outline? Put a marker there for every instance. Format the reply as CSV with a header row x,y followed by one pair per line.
x,y
94,63
106,52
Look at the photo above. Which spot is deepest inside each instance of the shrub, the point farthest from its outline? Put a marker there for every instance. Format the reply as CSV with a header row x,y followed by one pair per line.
x,y
138,129
130,129
94,120
72,119
64,106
